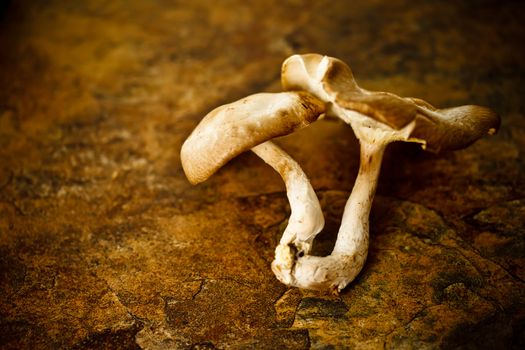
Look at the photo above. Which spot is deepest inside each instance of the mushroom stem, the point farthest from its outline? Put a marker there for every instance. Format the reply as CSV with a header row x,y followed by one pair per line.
x,y
352,238
306,218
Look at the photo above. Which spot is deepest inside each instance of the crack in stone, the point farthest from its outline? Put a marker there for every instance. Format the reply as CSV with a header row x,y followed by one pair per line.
x,y
201,286
138,323
280,296
407,323
12,203
137,319
308,339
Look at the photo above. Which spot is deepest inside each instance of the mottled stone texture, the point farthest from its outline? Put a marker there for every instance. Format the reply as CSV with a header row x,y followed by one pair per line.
x,y
105,245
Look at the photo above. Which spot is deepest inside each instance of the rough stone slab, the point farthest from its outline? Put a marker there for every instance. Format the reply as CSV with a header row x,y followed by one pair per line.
x,y
105,245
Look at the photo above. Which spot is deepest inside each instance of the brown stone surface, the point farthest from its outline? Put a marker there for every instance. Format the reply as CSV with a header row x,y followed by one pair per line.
x,y
104,243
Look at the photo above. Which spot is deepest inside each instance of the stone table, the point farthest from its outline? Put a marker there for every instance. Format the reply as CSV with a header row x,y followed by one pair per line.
x,y
105,245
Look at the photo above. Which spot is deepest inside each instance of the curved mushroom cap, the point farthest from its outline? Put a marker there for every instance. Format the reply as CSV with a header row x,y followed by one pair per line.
x,y
234,128
452,128
331,80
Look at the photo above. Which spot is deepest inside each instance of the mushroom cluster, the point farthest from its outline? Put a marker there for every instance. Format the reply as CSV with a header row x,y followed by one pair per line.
x,y
317,85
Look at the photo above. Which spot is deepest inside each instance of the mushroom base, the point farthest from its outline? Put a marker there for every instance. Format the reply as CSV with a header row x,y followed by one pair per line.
x,y
333,272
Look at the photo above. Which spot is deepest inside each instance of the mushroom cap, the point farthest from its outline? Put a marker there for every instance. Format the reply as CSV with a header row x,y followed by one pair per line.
x,y
332,81
233,128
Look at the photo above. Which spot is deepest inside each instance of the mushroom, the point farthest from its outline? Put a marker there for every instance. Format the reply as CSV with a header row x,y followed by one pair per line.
x,y
316,85
248,124
377,119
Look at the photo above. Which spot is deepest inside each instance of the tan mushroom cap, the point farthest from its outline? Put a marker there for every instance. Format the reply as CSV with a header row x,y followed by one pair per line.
x,y
332,80
234,128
